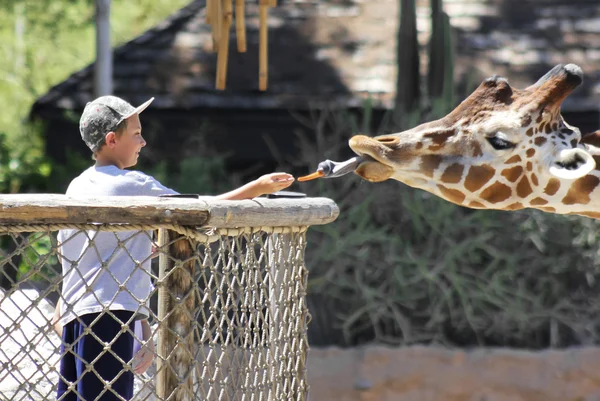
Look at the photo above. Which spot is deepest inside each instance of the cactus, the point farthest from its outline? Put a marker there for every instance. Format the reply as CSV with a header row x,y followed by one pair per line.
x,y
407,50
440,82
440,76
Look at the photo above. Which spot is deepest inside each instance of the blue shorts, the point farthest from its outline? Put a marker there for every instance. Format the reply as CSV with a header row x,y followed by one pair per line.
x,y
87,385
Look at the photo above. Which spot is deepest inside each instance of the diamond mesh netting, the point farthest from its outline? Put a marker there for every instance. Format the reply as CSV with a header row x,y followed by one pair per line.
x,y
226,309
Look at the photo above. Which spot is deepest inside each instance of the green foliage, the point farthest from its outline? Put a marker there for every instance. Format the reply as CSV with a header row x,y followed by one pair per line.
x,y
401,266
23,170
196,175
38,263
42,42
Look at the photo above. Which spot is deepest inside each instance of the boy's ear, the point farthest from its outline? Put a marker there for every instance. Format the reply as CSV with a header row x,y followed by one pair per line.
x,y
110,139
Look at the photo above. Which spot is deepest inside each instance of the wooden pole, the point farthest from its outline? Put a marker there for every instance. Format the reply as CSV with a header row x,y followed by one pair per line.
x,y
224,45
176,312
216,19
161,347
104,60
240,24
263,45
208,11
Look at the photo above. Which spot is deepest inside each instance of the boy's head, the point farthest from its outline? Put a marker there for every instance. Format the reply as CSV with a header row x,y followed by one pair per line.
x,y
109,125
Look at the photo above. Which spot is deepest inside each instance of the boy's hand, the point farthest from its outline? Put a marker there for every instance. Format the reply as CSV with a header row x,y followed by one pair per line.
x,y
142,360
269,183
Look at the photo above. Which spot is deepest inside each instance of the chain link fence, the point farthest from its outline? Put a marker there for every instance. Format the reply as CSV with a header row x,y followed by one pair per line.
x,y
226,309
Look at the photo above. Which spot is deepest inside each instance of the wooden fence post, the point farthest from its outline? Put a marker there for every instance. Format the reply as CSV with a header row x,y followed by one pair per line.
x,y
176,306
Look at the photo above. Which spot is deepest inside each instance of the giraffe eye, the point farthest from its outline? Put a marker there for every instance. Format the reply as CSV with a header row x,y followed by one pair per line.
x,y
499,143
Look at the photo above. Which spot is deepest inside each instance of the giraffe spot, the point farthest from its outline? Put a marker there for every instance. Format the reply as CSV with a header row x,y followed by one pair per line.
x,y
512,174
548,128
418,146
453,173
542,127
524,188
538,201
514,206
529,132
529,166
552,186
435,148
561,136
539,117
497,192
526,121
476,150
451,195
530,152
574,143
476,205
579,192
514,159
534,180
478,176
440,137
430,163
539,141
555,126
548,209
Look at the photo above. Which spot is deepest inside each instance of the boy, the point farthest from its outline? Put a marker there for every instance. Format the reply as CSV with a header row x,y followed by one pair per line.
x,y
110,271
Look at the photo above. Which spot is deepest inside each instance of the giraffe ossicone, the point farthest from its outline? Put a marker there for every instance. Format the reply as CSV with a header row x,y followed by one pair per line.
x,y
501,148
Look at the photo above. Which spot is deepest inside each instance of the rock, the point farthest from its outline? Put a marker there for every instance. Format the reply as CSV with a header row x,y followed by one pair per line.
x,y
420,373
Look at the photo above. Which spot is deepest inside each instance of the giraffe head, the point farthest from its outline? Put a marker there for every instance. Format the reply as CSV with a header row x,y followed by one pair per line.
x,y
501,148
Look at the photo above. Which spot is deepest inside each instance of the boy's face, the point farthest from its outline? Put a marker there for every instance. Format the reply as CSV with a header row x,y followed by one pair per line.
x,y
127,146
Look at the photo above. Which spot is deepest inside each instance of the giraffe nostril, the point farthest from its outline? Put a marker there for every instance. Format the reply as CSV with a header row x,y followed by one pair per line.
x,y
388,140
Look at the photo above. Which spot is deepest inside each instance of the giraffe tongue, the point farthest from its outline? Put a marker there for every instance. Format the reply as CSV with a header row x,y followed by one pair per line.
x,y
331,169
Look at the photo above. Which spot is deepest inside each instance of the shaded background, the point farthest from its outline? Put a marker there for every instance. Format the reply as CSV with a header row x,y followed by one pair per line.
x,y
399,266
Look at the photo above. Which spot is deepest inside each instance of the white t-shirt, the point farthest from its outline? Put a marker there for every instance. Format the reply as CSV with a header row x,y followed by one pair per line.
x,y
125,283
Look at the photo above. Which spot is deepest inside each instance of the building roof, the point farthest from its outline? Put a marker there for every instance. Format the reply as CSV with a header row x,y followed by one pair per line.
x,y
341,51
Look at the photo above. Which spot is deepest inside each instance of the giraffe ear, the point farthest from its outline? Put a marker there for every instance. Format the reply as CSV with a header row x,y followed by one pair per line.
x,y
572,164
591,138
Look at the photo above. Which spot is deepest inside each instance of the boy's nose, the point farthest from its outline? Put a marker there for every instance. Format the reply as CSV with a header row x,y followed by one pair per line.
x,y
143,142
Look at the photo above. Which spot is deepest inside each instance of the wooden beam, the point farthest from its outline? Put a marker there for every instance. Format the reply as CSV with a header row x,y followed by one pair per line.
x,y
206,211
263,45
224,45
240,25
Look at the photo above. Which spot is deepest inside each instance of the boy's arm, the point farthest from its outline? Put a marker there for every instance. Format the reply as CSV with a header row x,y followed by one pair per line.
x,y
56,318
145,355
266,184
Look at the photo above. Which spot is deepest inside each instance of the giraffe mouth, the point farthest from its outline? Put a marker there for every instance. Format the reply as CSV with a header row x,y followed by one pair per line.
x,y
373,167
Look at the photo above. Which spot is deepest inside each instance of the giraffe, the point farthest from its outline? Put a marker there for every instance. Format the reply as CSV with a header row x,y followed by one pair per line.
x,y
501,148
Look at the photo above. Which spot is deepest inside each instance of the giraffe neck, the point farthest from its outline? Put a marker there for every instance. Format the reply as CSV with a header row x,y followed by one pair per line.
x,y
513,188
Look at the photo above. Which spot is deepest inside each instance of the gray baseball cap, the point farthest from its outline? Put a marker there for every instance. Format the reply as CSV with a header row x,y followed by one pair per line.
x,y
102,116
